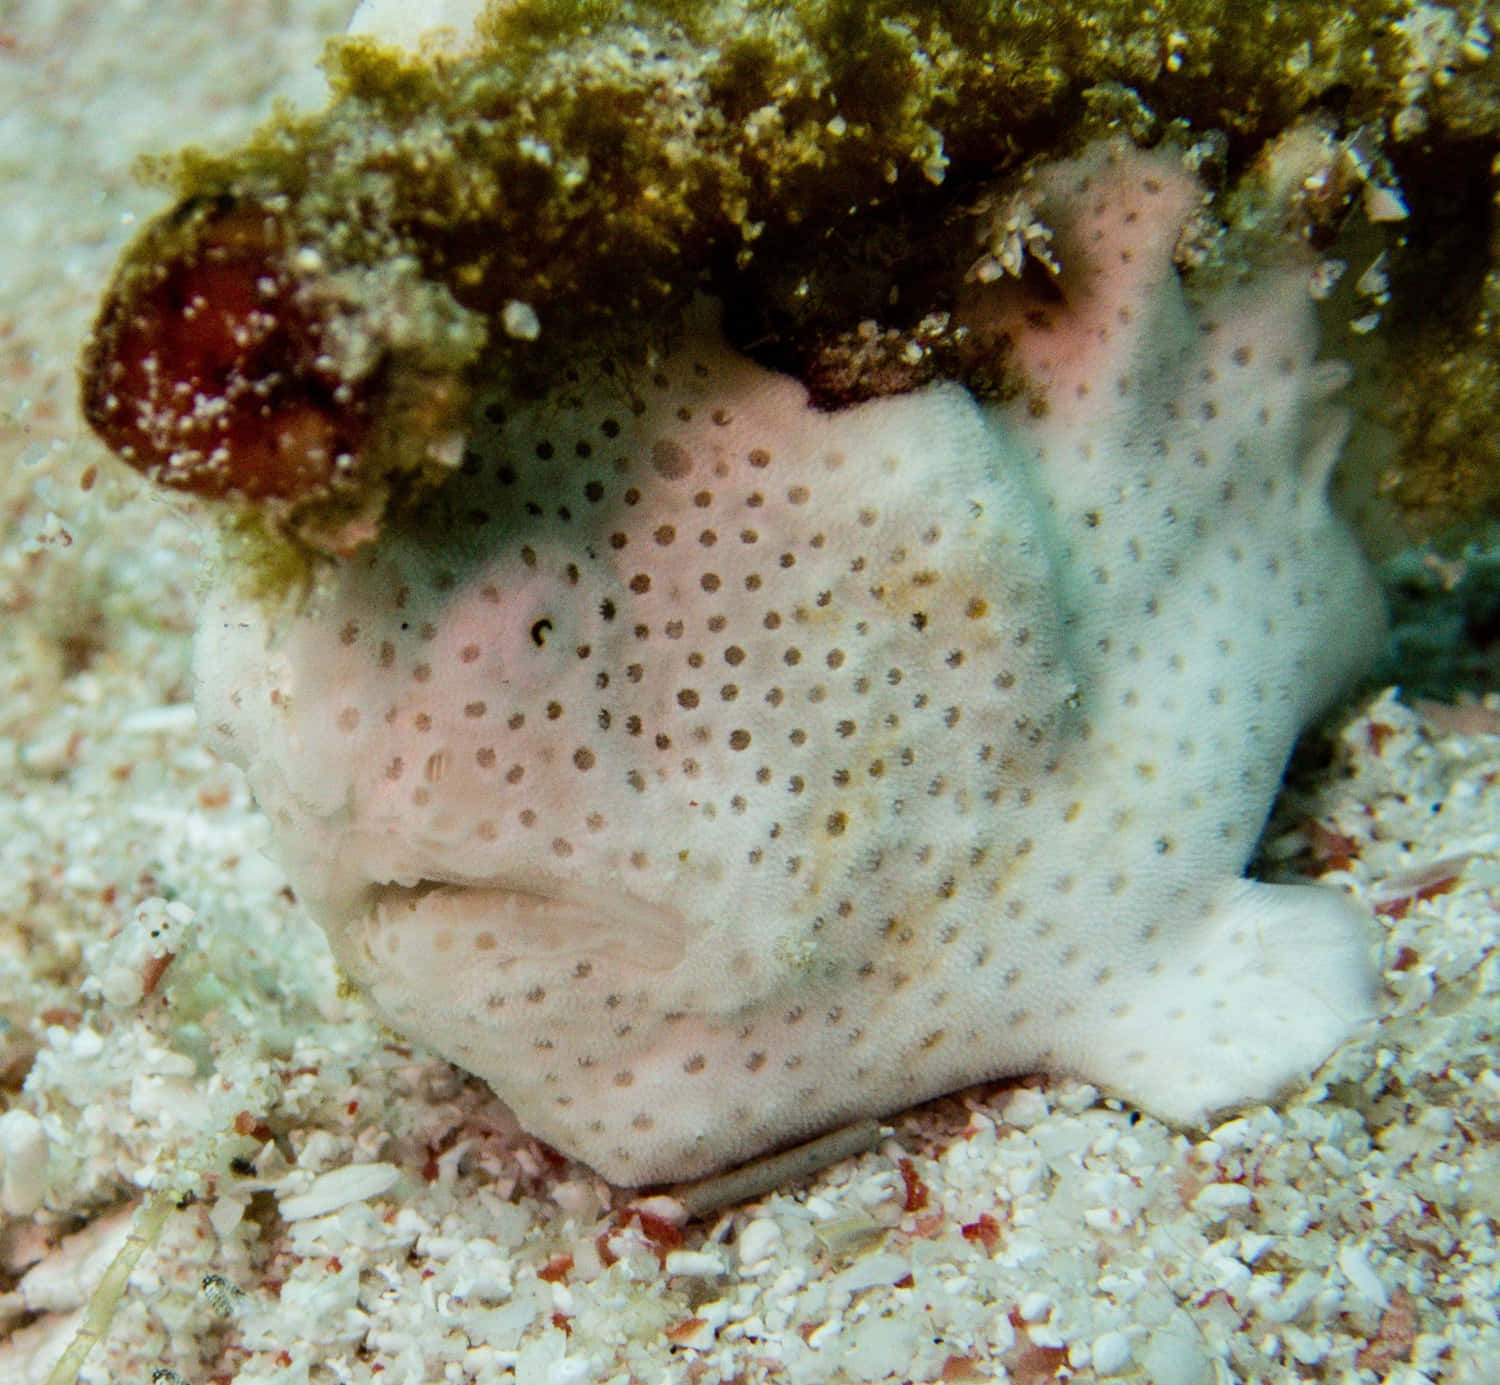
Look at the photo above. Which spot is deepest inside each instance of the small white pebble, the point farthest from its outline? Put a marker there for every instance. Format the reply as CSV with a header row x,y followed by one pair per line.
x,y
571,1370
698,1336
667,1209
23,1163
869,1271
693,1262
1002,1335
337,1188
63,1280
1289,1304
1307,1348
758,1243
1333,1159
1359,1272
1229,1274
520,321
1219,1199
1035,1307
1476,43
1383,204
1074,1097
1375,282
172,718
1437,1119
1253,1245
85,1044
1045,1335
1325,277
824,1333
1108,1218
1235,1134
1025,1108
1175,1355
879,1188
1111,1353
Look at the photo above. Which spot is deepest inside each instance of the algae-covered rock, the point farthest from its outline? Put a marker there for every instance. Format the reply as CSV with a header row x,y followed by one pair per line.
x,y
566,178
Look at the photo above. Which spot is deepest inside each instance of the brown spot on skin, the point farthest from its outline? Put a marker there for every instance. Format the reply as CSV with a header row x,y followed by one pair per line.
x,y
670,460
207,371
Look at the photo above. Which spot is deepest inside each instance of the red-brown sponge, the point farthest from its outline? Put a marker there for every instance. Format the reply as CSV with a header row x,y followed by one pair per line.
x,y
208,368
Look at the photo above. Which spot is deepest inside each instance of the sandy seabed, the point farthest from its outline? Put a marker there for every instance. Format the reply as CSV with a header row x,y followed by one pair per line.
x,y
364,1212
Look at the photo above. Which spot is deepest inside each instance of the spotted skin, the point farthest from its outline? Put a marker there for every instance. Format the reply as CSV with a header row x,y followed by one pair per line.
x,y
704,771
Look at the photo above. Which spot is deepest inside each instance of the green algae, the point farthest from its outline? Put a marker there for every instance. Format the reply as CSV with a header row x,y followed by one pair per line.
x,y
594,167
597,165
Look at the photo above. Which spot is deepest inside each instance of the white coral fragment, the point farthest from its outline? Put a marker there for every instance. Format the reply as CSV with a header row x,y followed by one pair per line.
x,y
338,1188
23,1163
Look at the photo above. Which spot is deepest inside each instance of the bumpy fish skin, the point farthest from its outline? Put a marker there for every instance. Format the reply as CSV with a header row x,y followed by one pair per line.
x,y
703,770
